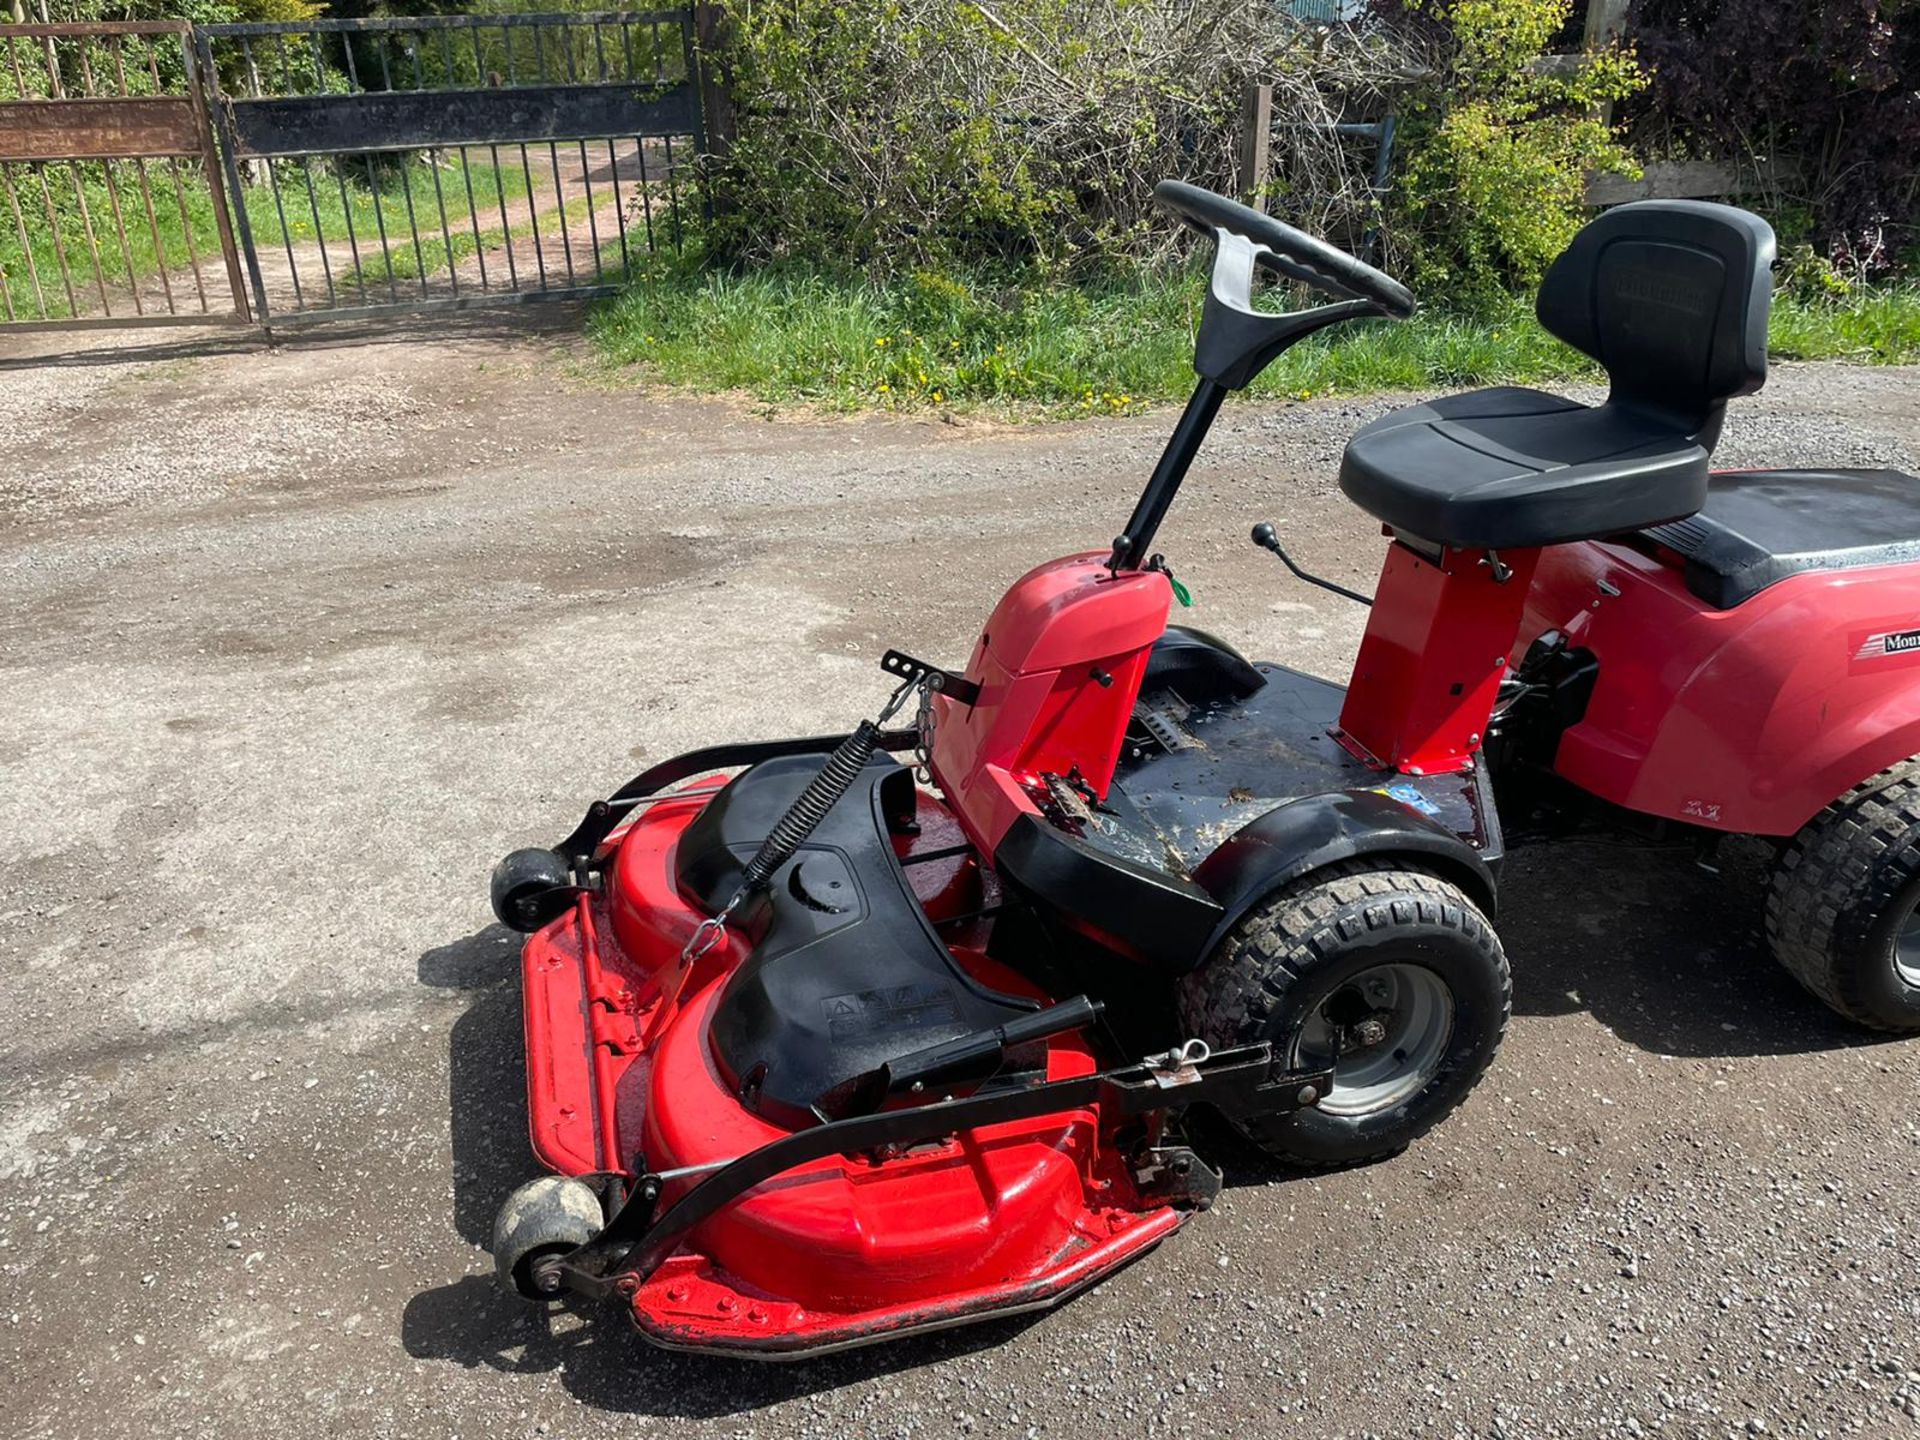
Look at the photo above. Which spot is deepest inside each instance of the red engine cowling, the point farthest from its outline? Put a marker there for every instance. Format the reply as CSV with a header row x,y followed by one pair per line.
x,y
1059,667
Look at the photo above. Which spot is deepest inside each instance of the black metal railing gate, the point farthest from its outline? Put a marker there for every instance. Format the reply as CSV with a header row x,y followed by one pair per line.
x,y
440,162
165,173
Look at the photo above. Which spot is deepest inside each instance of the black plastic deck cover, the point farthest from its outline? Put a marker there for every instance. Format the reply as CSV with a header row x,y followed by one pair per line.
x,y
1236,759
846,971
1760,526
1221,796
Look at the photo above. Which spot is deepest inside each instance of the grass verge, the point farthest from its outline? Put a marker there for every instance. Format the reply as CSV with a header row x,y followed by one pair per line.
x,y
965,342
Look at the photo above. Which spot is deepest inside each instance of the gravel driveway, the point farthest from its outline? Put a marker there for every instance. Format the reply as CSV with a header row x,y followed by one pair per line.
x,y
294,644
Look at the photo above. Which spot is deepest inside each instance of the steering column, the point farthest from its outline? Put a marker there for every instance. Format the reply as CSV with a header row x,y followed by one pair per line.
x,y
1236,341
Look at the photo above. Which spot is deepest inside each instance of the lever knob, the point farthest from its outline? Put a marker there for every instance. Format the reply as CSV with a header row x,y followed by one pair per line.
x,y
1264,535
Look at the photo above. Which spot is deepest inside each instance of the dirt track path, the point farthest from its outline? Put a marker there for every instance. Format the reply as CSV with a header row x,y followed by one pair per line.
x,y
295,642
563,230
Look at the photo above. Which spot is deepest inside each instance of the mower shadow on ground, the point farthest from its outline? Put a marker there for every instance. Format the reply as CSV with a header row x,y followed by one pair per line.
x,y
1669,956
596,1355
603,1363
486,1070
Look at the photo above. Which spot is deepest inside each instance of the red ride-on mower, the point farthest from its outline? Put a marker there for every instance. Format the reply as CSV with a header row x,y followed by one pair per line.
x,y
828,1046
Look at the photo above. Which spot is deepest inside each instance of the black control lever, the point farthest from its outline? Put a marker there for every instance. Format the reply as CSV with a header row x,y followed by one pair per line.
x,y
967,1057
1267,538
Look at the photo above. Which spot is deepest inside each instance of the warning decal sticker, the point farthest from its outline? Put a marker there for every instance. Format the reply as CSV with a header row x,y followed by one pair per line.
x,y
898,1007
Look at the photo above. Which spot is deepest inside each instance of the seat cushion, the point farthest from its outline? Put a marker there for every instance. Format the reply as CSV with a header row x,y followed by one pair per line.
x,y
1760,526
1510,468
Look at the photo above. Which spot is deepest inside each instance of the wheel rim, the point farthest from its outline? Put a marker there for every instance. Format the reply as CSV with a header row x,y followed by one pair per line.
x,y
1906,949
1389,1027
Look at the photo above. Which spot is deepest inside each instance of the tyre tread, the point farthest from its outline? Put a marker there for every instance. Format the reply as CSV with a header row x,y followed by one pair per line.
x,y
1848,862
1281,944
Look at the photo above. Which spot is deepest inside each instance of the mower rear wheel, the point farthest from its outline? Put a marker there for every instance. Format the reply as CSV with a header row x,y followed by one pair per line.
x,y
1843,910
542,1219
1392,974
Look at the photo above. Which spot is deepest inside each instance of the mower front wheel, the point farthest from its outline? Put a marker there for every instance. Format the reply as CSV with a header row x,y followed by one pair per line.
x,y
1391,975
530,889
539,1222
1843,910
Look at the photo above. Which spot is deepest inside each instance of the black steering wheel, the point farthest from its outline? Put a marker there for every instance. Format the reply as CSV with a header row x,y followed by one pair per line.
x,y
1282,250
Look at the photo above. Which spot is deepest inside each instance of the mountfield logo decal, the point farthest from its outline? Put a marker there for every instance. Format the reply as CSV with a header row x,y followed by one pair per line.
x,y
1888,642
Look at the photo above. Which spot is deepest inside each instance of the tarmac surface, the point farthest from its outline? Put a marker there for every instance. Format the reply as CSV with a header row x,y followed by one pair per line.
x,y
294,644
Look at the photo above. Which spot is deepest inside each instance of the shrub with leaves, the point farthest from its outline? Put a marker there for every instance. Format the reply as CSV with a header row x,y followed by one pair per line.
x,y
1498,147
889,133
1834,88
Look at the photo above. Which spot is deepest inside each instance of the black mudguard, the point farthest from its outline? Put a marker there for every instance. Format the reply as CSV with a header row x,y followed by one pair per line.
x,y
1315,831
1200,666
1136,910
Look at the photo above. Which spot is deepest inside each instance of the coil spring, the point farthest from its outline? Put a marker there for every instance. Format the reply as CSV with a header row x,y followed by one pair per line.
x,y
810,807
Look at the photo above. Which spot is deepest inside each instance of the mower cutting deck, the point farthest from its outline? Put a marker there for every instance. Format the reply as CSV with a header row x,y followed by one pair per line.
x,y
836,1039
886,1218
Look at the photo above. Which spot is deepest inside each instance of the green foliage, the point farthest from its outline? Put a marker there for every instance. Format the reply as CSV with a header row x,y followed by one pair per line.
x,y
1877,324
1023,342
201,12
1806,274
1833,87
1498,148
281,11
889,133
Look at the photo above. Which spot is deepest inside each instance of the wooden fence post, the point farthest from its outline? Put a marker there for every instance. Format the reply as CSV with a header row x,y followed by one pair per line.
x,y
716,98
1606,23
1256,134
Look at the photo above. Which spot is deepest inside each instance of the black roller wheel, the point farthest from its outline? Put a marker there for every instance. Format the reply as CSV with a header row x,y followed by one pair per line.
x,y
1843,911
542,1219
530,889
1392,974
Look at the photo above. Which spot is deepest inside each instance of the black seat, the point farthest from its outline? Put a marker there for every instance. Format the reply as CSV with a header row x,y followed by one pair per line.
x,y
1672,297
1760,526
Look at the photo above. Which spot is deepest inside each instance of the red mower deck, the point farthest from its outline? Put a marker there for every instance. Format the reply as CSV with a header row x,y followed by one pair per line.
x,y
847,1250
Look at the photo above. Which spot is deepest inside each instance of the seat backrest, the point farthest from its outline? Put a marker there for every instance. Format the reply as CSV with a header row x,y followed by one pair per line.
x,y
1672,297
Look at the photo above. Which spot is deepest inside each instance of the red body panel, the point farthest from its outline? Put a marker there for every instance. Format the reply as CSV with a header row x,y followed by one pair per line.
x,y
1044,704
1433,657
1750,719
843,1250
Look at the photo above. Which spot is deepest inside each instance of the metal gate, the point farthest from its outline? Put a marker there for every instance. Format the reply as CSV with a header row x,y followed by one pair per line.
x,y
440,162
114,212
